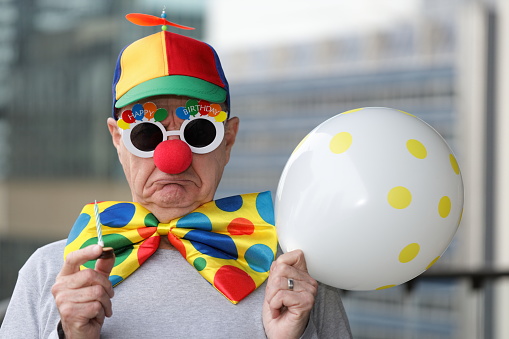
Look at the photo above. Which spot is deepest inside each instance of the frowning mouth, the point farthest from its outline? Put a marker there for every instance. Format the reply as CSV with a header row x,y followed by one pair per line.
x,y
166,182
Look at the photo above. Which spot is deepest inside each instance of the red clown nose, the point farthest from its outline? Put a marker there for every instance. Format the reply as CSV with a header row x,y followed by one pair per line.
x,y
173,156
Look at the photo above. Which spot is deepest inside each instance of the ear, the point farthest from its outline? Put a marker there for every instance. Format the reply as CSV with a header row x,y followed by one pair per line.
x,y
115,132
230,134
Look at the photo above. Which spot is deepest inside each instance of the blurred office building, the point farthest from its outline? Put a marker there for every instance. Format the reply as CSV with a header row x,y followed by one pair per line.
x,y
444,66
439,66
56,67
282,92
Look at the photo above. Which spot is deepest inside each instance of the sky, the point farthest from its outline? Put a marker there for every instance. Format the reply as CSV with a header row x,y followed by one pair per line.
x,y
237,24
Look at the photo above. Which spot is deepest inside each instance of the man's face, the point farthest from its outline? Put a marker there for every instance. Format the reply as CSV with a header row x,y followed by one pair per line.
x,y
172,195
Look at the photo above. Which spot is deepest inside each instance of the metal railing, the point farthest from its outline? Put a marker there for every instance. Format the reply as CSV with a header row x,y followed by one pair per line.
x,y
477,277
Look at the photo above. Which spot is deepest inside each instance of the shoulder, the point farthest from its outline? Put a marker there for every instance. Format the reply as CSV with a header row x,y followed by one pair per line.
x,y
45,262
31,298
53,252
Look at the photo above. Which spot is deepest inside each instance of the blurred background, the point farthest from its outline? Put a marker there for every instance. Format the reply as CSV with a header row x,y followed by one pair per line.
x,y
291,65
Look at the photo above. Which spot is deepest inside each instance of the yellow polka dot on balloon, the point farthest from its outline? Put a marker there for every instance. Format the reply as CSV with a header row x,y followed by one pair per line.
x,y
444,206
409,253
433,262
454,164
340,142
384,287
300,143
352,110
399,197
416,148
407,113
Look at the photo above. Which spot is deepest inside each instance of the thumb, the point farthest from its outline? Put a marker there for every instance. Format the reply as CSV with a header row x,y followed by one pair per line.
x,y
104,266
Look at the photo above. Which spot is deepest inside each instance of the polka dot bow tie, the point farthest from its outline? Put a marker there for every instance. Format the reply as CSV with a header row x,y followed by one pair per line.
x,y
231,242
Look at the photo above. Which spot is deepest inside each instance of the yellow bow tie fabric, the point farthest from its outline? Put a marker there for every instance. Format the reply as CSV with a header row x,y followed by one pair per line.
x,y
231,241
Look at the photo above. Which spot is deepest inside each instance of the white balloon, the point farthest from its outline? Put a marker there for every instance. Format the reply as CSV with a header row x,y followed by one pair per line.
x,y
373,197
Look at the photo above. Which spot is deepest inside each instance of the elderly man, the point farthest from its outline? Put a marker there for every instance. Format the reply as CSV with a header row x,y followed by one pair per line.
x,y
173,136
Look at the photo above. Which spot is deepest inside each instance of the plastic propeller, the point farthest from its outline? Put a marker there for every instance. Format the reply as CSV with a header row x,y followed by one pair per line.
x,y
151,20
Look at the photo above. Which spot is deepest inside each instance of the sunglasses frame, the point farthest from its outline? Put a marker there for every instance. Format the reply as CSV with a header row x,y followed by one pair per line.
x,y
126,136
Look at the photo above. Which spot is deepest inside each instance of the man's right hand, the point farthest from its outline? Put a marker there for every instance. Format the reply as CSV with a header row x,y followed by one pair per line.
x,y
83,298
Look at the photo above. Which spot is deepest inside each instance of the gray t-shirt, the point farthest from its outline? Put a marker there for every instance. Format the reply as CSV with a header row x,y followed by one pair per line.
x,y
165,298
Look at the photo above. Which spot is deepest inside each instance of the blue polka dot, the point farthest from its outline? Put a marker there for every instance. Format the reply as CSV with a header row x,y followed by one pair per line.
x,y
259,257
230,204
213,244
115,279
78,226
265,207
117,215
195,220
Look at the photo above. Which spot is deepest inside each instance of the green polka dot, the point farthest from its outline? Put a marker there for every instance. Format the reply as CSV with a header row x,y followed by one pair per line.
x,y
123,246
409,253
151,220
399,197
200,263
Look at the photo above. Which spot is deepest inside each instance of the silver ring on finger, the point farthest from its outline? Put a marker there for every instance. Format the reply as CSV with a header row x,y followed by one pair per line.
x,y
290,284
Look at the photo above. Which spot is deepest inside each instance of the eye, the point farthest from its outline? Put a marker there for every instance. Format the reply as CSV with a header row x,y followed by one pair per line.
x,y
200,133
146,136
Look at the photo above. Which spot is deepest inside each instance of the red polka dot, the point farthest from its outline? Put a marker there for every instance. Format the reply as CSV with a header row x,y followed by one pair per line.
x,y
177,243
147,248
240,226
233,282
146,232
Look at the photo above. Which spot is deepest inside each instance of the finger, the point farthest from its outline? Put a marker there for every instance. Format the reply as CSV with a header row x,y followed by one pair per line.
x,y
282,284
280,303
104,266
82,313
85,278
101,315
294,258
296,303
299,285
87,295
77,258
281,270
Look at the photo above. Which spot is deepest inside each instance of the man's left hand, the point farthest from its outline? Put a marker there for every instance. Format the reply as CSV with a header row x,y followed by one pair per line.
x,y
286,312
